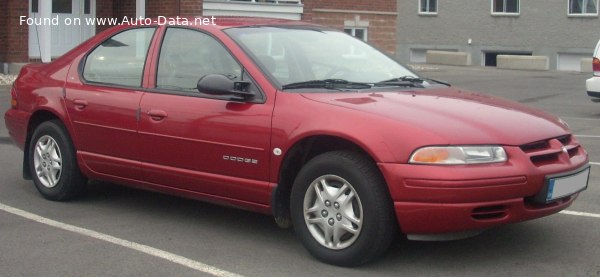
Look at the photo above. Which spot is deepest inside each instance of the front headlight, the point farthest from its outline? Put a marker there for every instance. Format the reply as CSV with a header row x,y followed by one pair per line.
x,y
454,155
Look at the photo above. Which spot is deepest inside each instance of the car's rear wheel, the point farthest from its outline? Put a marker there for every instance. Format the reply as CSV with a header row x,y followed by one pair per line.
x,y
53,163
341,209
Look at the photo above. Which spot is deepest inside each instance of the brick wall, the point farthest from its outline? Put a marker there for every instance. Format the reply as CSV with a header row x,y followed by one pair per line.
x,y
166,8
381,32
155,8
124,8
3,27
15,36
354,5
382,25
364,5
104,9
190,7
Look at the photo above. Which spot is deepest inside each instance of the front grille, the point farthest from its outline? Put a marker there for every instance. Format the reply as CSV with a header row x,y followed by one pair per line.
x,y
549,151
535,146
564,139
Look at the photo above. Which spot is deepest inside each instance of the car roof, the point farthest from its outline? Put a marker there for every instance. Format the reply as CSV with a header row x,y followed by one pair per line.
x,y
255,21
224,22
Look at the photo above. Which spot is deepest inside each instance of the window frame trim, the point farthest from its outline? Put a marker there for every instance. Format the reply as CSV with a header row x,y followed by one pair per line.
x,y
429,13
575,15
83,61
507,14
261,98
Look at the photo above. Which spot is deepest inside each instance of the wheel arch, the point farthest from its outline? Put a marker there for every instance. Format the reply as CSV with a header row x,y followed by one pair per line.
x,y
37,118
295,158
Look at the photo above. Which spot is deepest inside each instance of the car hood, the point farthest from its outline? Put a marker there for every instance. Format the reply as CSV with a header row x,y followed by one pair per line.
x,y
452,115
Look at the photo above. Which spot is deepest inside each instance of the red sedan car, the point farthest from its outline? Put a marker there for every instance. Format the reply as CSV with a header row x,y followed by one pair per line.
x,y
296,120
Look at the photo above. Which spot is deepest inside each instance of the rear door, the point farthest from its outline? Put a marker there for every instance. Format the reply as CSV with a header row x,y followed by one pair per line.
x,y
103,104
197,142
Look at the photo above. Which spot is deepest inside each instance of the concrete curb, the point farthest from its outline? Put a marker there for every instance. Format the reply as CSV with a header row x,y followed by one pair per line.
x,y
448,58
523,62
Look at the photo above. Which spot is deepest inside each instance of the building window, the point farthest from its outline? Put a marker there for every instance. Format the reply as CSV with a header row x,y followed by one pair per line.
x,y
428,6
86,7
360,33
62,6
34,6
58,6
583,7
505,7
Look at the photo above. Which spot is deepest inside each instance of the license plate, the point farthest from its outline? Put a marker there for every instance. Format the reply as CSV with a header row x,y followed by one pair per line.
x,y
562,186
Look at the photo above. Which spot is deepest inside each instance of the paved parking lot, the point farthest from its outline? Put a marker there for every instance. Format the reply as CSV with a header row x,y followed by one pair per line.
x,y
118,231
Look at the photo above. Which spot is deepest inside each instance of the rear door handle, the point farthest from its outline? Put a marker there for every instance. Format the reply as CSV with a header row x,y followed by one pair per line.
x,y
80,104
157,115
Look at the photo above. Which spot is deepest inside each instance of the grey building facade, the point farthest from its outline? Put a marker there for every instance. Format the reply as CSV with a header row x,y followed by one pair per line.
x,y
563,30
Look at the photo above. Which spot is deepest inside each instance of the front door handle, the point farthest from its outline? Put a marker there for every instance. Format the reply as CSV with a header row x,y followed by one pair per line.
x,y
80,104
157,115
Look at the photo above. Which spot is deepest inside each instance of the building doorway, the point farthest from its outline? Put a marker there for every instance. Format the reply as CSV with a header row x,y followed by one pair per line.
x,y
64,37
490,58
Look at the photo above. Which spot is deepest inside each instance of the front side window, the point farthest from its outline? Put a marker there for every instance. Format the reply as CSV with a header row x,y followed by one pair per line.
x,y
120,59
583,7
428,6
505,6
188,55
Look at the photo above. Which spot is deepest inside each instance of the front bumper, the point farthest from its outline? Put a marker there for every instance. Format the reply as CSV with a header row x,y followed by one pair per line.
x,y
593,88
594,96
446,199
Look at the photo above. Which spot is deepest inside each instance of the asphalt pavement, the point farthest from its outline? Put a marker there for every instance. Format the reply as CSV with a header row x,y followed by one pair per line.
x,y
118,231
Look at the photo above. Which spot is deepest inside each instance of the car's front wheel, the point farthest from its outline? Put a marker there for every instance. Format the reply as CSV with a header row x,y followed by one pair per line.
x,y
341,209
53,163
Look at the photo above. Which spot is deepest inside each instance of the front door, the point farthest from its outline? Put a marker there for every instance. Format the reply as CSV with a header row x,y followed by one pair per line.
x,y
197,142
71,29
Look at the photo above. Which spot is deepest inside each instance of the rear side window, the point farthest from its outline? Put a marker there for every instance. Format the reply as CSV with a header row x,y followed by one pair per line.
x,y
120,59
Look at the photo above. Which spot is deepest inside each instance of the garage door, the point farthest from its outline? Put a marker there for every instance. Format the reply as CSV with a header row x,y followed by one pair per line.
x,y
570,62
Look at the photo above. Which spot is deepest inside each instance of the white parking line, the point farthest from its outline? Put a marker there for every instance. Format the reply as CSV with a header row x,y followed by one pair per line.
x,y
154,251
580,214
578,118
593,163
121,242
587,136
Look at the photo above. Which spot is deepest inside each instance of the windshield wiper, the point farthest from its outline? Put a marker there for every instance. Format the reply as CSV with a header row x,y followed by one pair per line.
x,y
328,84
411,79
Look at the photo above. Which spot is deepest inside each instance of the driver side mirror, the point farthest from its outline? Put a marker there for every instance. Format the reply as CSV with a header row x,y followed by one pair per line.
x,y
221,85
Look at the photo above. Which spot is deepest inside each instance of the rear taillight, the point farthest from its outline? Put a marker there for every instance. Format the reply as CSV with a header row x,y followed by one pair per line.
x,y
596,66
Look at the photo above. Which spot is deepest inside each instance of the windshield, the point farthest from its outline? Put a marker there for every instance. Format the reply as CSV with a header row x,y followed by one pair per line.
x,y
293,55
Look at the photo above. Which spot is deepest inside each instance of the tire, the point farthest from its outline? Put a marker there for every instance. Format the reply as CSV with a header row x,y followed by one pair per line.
x,y
53,164
353,221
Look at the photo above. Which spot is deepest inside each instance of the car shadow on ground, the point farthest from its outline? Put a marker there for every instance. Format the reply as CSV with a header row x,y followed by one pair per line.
x,y
504,245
